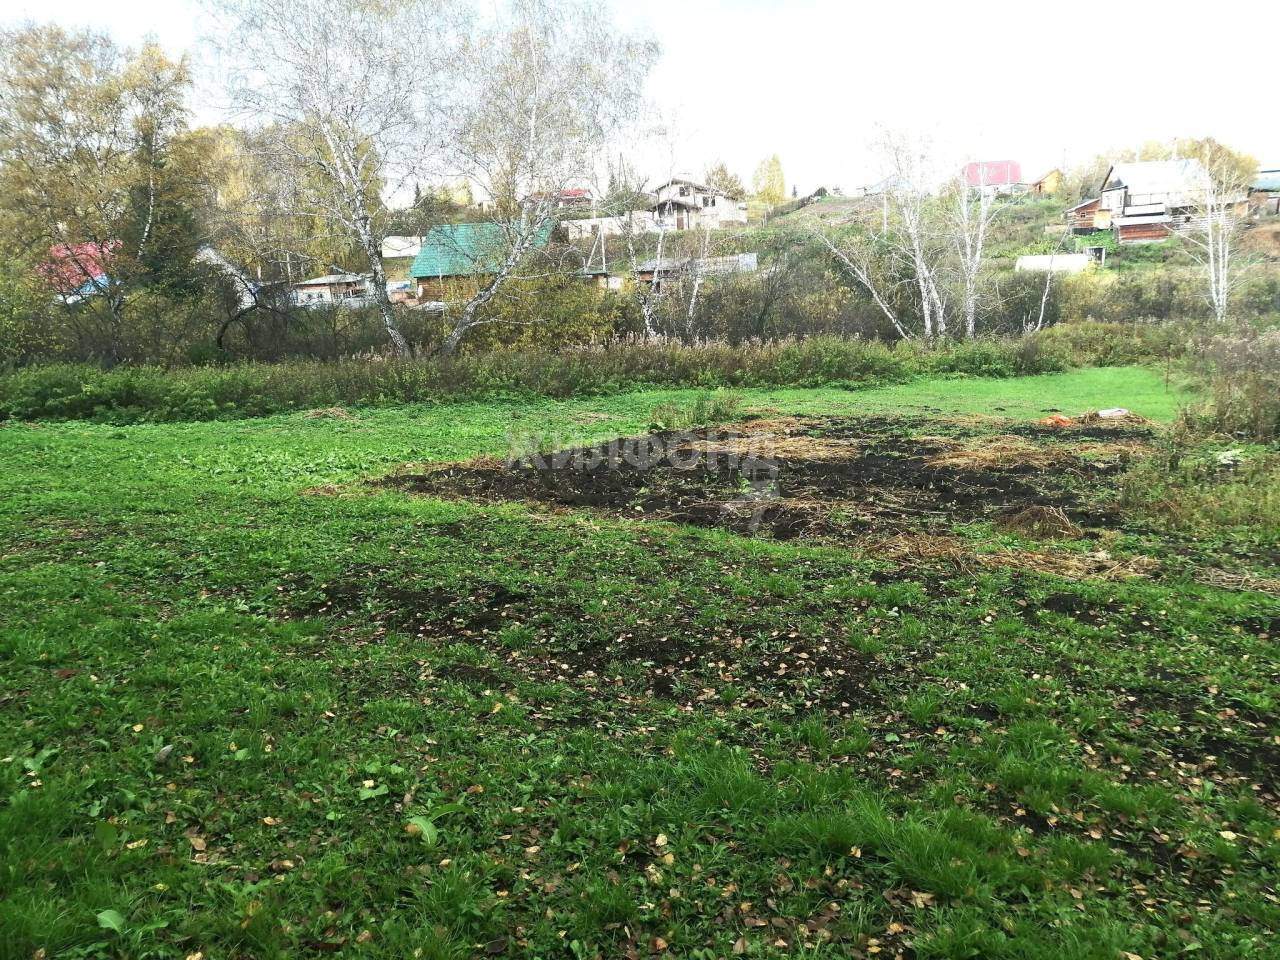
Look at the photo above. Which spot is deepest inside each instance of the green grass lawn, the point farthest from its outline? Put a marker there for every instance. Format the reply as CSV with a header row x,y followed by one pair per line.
x,y
241,720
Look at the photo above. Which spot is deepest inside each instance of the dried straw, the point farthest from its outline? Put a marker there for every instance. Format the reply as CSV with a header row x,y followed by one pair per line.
x,y
1042,523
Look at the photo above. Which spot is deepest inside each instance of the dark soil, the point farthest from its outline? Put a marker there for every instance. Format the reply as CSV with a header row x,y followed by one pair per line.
x,y
885,480
682,659
1095,431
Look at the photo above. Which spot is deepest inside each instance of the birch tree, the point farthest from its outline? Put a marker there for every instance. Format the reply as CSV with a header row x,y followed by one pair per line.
x,y
905,237
971,210
1211,237
358,92
857,257
548,85
628,204
915,235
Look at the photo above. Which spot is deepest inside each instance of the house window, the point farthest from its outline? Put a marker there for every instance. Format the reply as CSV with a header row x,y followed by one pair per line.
x,y
707,201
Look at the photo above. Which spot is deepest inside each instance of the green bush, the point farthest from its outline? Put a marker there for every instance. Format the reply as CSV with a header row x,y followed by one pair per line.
x,y
1100,344
147,393
24,329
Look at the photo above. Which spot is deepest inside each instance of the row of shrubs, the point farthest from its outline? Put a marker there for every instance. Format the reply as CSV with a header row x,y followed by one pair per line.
x,y
145,393
1240,379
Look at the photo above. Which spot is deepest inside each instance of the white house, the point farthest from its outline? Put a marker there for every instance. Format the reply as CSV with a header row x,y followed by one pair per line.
x,y
348,288
681,204
633,222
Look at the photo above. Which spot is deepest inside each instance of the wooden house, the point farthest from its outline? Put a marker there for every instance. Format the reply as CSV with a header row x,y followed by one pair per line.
x,y
455,252
1050,185
1088,217
688,205
1149,200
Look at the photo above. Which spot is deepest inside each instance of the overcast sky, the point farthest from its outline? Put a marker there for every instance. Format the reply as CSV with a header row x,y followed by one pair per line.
x,y
812,79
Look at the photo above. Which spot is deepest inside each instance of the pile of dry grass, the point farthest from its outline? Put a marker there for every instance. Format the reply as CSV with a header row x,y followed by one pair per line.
x,y
1098,564
1041,523
1231,580
907,548
999,452
1110,451
774,447
325,490
776,438
1094,418
330,413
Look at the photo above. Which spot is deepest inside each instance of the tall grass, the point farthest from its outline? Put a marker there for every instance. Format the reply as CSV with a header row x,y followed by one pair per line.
x,y
1200,487
1241,377
146,393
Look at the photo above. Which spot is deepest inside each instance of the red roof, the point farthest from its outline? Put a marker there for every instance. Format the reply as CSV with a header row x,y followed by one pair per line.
x,y
993,173
71,266
575,192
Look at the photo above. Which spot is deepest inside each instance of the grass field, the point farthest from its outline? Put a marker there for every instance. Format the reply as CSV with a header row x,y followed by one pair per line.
x,y
254,707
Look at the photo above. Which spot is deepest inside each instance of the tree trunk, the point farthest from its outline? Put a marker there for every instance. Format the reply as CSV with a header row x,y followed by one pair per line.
x,y
532,224
379,292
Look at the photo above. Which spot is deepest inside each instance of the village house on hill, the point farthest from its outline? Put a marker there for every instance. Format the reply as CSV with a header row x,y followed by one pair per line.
x,y
1145,201
1150,199
1050,185
681,204
1264,192
999,177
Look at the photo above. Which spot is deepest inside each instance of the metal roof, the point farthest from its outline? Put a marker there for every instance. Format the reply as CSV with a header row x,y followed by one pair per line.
x,y
704,188
993,173
332,278
1266,180
1156,176
465,249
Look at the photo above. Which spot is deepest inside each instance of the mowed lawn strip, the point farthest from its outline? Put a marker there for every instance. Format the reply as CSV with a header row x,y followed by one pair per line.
x,y
241,719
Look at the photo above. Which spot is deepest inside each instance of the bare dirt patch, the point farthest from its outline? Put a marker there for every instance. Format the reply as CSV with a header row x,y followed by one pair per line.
x,y
817,477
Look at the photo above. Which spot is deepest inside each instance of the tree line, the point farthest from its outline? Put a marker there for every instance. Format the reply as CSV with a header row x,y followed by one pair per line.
x,y
121,222
343,110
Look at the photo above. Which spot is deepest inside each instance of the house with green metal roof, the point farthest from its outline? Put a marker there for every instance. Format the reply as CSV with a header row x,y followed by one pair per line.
x,y
456,251
1264,191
